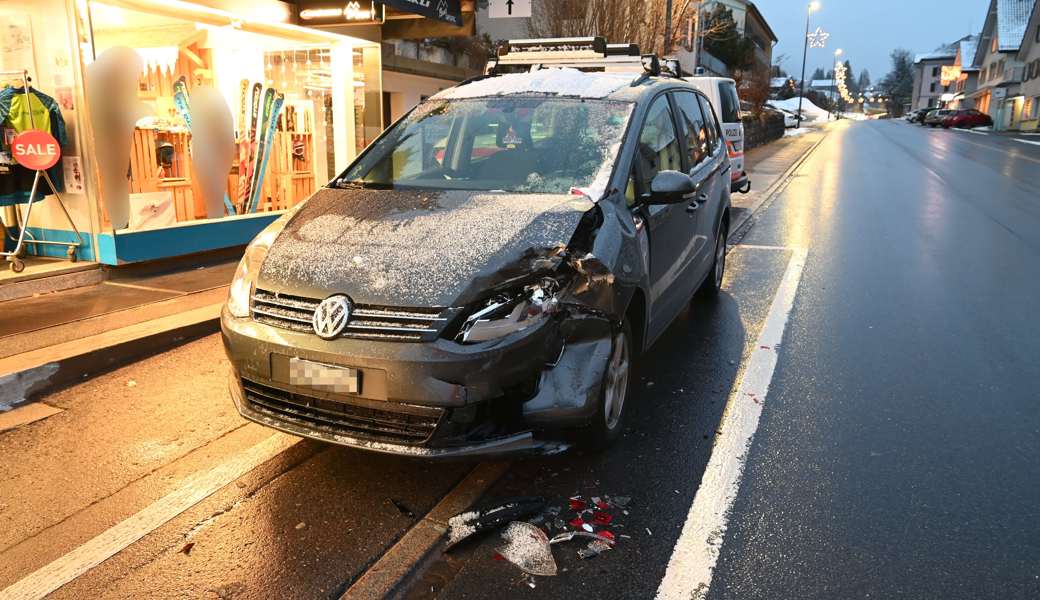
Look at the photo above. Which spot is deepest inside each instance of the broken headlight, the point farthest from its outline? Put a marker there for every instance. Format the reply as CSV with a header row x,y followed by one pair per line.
x,y
508,313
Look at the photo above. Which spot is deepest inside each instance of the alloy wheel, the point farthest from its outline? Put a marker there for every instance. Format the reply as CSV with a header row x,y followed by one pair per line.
x,y
617,381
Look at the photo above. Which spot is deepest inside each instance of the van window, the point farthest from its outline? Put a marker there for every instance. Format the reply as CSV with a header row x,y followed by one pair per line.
x,y
692,129
729,103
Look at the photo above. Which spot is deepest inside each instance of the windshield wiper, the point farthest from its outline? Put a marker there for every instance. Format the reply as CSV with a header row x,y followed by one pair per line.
x,y
359,184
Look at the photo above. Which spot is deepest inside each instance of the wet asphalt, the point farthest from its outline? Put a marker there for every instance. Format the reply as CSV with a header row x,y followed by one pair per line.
x,y
896,455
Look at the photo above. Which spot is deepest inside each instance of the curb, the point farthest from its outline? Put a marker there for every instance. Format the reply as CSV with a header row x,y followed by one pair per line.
x,y
771,191
392,574
28,376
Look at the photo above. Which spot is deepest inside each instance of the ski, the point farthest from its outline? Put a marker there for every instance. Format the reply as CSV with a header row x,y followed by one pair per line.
x,y
266,141
240,138
245,171
180,99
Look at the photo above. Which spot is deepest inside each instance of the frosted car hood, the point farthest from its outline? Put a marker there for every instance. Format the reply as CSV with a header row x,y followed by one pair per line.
x,y
410,248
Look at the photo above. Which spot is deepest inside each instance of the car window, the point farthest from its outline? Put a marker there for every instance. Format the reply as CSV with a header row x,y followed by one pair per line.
x,y
658,148
692,128
516,144
711,123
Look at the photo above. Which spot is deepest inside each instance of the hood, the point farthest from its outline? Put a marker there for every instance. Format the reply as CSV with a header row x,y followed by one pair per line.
x,y
414,248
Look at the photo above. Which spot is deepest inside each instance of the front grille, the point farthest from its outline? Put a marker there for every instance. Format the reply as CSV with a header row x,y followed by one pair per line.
x,y
366,322
407,424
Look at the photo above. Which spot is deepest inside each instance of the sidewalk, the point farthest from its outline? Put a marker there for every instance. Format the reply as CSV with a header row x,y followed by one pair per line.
x,y
52,339
768,166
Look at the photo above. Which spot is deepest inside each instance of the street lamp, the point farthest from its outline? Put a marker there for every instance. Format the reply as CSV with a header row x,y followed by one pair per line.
x,y
813,6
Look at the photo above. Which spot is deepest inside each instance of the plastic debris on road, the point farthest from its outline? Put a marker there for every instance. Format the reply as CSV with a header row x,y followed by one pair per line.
x,y
595,548
467,524
527,547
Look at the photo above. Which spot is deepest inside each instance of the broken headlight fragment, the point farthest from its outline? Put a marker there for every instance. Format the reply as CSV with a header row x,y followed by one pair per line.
x,y
508,313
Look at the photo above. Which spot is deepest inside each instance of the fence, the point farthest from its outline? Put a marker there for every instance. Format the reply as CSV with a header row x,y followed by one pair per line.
x,y
762,129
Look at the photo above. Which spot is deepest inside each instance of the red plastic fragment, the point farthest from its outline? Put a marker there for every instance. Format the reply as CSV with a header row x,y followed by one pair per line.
x,y
578,504
602,505
606,534
602,518
497,556
576,522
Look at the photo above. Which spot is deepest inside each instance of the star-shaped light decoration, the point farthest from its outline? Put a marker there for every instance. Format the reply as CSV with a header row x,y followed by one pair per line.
x,y
818,38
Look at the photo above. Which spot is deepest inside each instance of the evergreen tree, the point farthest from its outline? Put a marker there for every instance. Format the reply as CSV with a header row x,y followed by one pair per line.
x,y
850,81
864,80
819,74
898,85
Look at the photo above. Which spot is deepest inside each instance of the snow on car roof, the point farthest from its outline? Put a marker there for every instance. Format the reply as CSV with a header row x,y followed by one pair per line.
x,y
556,82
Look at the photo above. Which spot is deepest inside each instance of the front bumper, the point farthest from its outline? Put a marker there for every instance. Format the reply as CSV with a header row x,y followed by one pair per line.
x,y
485,399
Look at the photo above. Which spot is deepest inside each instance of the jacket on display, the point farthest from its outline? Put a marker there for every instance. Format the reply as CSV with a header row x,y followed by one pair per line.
x,y
18,113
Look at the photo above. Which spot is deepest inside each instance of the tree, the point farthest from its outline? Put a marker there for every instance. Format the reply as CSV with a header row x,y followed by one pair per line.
x,y
850,81
864,80
898,85
818,74
725,42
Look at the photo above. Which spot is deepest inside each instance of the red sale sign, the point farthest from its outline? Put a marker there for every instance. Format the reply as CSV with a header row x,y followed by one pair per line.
x,y
36,150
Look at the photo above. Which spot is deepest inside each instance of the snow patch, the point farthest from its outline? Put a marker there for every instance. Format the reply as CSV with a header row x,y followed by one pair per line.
x,y
557,82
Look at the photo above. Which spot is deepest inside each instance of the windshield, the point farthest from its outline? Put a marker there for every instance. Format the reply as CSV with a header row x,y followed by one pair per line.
x,y
515,144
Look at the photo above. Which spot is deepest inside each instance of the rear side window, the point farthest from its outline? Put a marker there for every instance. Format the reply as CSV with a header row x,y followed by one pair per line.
x,y
691,124
729,104
710,123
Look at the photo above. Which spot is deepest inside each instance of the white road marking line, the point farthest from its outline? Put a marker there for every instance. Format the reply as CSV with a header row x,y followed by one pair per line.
x,y
49,578
697,550
1026,141
970,131
757,247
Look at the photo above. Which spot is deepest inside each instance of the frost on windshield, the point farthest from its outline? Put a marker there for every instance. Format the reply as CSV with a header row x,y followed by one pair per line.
x,y
518,144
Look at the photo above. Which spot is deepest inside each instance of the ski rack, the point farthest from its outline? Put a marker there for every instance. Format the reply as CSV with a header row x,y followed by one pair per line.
x,y
14,256
518,56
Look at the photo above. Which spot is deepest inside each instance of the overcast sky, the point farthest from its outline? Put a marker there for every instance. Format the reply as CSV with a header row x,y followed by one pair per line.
x,y
868,30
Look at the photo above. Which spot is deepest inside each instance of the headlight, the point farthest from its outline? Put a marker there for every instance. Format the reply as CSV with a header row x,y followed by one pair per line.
x,y
508,313
249,268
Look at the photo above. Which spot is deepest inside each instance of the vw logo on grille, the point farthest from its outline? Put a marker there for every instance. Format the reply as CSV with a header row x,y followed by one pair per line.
x,y
331,316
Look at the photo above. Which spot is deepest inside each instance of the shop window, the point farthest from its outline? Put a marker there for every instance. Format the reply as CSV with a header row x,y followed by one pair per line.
x,y
287,111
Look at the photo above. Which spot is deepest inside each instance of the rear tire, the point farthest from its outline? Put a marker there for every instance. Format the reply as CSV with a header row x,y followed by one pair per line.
x,y
608,422
712,285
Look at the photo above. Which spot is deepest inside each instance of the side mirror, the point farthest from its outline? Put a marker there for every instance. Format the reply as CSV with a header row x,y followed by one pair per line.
x,y
671,187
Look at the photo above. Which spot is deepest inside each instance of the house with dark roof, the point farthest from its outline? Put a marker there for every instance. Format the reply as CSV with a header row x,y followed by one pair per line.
x,y
1001,74
1029,56
965,73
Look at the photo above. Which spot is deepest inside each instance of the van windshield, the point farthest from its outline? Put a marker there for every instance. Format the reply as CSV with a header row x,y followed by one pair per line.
x,y
729,111
515,144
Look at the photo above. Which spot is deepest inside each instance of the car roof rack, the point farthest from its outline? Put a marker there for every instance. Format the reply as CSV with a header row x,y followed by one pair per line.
x,y
585,53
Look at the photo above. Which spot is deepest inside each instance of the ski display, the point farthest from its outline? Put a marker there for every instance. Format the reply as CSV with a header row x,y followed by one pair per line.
x,y
270,125
245,167
240,139
180,99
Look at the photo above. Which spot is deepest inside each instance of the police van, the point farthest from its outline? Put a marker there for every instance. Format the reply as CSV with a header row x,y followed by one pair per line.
x,y
722,92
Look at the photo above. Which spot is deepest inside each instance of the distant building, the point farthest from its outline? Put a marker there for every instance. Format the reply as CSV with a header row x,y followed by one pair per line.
x,y
967,74
1000,81
1029,56
750,23
928,67
827,87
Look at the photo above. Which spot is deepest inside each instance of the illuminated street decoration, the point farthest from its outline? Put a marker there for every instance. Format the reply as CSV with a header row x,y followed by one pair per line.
x,y
840,77
818,38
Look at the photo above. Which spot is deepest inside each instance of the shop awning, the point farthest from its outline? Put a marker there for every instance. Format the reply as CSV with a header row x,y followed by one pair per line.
x,y
449,11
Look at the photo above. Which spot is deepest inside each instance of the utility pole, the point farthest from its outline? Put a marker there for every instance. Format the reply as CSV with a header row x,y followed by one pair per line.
x,y
668,27
805,52
696,35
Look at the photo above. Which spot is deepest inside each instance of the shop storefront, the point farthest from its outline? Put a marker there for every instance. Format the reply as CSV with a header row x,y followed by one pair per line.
x,y
188,128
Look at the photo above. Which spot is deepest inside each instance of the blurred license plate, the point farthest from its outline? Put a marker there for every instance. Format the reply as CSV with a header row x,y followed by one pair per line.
x,y
340,380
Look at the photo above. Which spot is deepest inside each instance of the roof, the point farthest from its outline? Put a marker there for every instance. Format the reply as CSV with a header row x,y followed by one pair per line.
x,y
762,19
558,82
944,52
966,52
822,83
776,82
1012,17
1028,41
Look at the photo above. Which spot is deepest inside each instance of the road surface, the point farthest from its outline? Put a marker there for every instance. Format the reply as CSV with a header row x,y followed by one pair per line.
x,y
887,443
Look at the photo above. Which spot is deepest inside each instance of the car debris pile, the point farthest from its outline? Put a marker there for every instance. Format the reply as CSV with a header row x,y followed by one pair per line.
x,y
530,528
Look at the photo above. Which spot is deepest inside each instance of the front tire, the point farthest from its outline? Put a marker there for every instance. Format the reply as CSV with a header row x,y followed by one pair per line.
x,y
608,422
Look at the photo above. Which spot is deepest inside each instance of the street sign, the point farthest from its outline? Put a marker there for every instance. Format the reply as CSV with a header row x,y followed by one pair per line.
x,y
36,150
504,9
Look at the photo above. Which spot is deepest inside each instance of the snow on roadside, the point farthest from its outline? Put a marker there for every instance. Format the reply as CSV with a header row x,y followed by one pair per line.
x,y
799,131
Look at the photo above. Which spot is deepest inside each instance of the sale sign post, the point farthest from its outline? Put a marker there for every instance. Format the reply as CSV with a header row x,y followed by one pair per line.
x,y
38,151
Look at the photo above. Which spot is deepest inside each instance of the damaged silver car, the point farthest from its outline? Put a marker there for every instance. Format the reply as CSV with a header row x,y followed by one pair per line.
x,y
481,278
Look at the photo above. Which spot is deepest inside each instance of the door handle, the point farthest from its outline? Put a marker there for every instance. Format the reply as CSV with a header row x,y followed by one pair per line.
x,y
693,207
703,197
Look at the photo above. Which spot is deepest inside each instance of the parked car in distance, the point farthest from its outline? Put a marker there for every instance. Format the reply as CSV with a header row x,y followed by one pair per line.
x,y
924,115
935,118
790,119
967,119
480,279
915,116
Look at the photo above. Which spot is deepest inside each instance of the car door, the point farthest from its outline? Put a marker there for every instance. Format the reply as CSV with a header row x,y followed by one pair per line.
x,y
702,155
670,228
713,202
